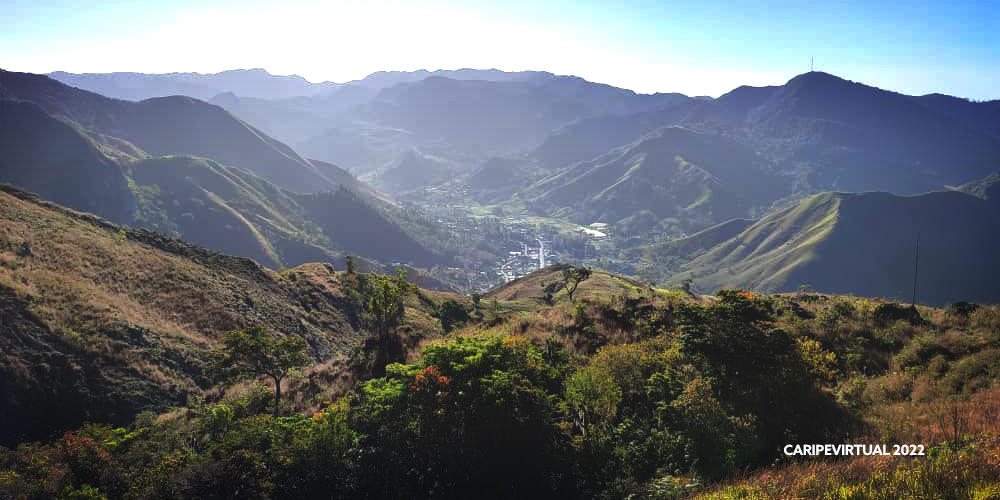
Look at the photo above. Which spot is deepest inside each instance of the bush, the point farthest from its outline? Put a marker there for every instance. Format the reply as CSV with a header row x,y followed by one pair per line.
x,y
962,309
888,313
452,315
838,311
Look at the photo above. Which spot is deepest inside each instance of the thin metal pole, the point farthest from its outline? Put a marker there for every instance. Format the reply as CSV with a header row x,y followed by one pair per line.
x,y
916,264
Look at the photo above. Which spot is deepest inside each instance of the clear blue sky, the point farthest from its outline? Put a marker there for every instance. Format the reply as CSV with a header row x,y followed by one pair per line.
x,y
701,47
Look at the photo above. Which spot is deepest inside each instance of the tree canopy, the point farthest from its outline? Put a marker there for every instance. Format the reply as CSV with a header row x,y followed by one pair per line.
x,y
255,352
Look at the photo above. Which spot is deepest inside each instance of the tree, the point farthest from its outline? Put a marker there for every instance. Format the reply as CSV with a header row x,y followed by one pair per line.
x,y
384,308
384,311
452,314
476,297
592,398
572,277
253,352
349,262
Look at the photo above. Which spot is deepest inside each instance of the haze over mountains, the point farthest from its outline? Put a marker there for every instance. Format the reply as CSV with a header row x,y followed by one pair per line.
x,y
190,169
266,169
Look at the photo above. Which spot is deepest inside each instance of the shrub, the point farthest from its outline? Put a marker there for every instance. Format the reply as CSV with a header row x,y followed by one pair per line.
x,y
962,309
452,315
887,313
974,372
838,311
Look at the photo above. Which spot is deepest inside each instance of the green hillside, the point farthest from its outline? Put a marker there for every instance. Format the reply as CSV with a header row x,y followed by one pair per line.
x,y
862,244
233,211
530,290
675,172
222,208
665,257
848,136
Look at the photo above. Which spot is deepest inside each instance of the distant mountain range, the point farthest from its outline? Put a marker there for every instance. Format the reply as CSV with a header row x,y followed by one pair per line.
x,y
766,187
243,82
190,169
255,83
815,133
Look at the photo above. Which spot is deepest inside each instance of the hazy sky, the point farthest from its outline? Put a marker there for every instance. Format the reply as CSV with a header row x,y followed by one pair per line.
x,y
700,47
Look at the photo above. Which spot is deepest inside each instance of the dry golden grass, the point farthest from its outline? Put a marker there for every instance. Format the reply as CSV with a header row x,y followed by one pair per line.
x,y
139,312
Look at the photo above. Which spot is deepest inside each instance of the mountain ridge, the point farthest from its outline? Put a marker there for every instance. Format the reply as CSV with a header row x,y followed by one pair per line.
x,y
832,243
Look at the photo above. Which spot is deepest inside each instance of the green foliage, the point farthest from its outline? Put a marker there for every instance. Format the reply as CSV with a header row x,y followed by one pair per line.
x,y
757,369
85,492
384,307
707,391
839,311
383,312
452,314
592,399
475,412
253,352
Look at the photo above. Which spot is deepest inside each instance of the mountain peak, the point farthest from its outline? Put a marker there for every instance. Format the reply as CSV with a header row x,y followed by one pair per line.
x,y
816,77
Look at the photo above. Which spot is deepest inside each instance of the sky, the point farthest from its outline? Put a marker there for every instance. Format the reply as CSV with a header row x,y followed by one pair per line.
x,y
700,47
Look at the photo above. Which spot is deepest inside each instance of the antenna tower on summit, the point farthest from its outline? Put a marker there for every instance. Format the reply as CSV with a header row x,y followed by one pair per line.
x,y
810,64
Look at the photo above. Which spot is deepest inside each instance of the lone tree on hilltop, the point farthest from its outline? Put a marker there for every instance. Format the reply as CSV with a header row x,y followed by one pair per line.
x,y
253,352
572,277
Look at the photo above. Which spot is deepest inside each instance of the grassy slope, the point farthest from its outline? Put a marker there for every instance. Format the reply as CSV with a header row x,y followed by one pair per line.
x,y
528,292
362,227
673,172
344,178
661,259
107,322
414,170
766,251
863,244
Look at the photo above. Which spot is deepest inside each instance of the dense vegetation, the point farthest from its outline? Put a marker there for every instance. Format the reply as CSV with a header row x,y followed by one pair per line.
x,y
649,394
